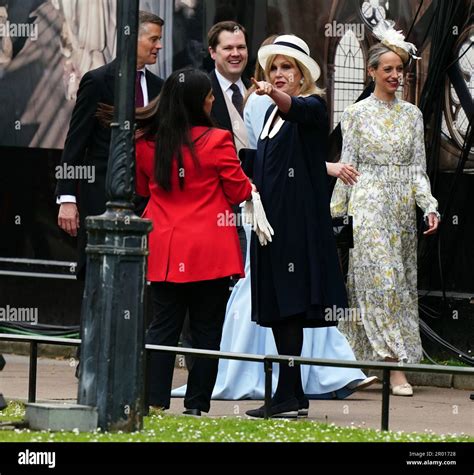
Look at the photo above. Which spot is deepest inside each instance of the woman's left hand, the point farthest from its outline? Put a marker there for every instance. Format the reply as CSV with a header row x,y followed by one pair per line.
x,y
262,87
433,223
345,172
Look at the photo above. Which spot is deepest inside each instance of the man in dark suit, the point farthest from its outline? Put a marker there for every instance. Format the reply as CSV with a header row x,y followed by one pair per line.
x,y
227,42
87,142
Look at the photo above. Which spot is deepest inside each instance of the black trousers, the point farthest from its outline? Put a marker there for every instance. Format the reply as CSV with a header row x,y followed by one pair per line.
x,y
206,302
186,334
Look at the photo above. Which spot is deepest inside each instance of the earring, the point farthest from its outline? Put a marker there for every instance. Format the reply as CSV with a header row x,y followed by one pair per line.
x,y
373,78
302,81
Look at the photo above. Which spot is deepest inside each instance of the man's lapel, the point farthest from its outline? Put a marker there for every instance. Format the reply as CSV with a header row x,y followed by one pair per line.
x,y
219,111
153,84
110,79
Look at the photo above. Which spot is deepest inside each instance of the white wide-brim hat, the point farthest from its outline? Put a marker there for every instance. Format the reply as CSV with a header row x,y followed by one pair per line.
x,y
294,47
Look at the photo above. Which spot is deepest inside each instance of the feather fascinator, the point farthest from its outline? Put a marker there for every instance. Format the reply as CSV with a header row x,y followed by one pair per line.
x,y
394,40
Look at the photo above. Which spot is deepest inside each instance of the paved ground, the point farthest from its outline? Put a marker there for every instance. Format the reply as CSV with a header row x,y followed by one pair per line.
x,y
439,410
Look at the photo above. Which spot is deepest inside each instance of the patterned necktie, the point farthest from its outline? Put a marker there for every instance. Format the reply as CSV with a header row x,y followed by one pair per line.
x,y
237,99
139,101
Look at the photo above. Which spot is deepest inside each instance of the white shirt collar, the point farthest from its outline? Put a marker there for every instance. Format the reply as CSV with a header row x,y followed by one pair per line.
x,y
225,83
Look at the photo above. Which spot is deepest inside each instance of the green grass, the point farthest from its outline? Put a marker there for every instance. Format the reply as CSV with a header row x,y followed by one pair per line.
x,y
15,411
164,428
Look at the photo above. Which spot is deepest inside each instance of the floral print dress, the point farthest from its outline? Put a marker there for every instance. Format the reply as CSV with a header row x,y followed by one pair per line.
x,y
385,142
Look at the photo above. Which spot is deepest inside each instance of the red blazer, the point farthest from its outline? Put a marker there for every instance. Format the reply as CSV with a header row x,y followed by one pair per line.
x,y
194,236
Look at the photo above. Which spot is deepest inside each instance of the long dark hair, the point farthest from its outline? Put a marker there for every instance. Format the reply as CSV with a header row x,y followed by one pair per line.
x,y
167,120
180,107
145,118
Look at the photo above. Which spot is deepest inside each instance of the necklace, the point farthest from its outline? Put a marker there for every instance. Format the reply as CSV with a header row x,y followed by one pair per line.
x,y
388,104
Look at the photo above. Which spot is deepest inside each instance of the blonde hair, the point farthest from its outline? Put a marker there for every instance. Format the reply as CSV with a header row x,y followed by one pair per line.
x,y
259,73
309,86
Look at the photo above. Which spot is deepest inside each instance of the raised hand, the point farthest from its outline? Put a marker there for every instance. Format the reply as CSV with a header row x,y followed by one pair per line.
x,y
262,87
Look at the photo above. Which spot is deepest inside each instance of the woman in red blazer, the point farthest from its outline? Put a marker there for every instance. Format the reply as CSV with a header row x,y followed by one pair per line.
x,y
192,174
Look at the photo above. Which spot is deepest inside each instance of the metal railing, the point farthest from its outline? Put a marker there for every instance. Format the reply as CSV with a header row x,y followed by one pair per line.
x,y
266,360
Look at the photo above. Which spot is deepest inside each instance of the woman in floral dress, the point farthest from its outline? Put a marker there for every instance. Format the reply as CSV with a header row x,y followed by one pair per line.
x,y
384,140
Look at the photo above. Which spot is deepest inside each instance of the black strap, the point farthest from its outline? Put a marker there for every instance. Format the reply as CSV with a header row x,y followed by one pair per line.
x,y
291,45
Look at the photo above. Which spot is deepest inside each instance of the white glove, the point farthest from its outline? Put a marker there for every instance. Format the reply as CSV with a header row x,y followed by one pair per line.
x,y
261,237
254,214
247,213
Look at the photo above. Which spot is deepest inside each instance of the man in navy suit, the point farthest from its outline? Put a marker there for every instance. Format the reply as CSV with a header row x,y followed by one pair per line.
x,y
87,142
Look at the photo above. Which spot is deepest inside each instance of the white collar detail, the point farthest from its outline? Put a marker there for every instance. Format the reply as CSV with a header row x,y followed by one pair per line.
x,y
276,128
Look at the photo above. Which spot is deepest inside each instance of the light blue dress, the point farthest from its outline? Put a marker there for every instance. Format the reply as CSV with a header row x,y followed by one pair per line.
x,y
254,117
246,380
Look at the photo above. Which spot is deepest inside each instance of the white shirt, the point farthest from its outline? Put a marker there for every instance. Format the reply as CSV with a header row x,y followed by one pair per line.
x,y
71,198
225,85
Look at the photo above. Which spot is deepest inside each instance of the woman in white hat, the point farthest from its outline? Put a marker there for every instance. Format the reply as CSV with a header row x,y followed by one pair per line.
x,y
296,277
384,138
246,380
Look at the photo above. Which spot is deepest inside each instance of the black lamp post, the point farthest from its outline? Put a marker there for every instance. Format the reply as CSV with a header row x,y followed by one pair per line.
x,y
112,352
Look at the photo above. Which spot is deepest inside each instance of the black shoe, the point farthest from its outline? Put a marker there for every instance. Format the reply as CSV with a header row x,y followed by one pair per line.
x,y
192,412
287,409
303,407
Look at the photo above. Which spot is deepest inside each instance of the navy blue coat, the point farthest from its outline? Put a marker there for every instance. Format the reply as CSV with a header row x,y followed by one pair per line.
x,y
298,273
